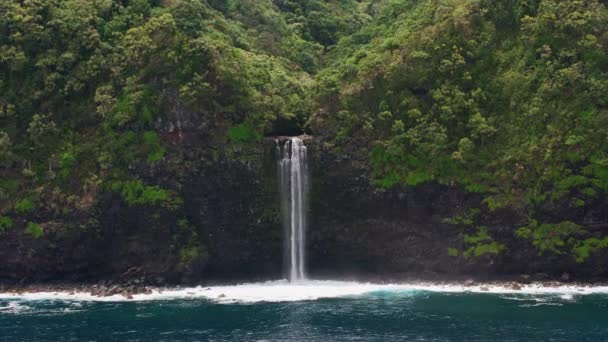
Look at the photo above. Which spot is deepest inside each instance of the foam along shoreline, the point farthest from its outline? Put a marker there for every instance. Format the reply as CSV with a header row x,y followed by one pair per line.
x,y
283,291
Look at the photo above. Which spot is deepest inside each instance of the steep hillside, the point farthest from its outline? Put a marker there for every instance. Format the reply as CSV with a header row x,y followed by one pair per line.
x,y
504,99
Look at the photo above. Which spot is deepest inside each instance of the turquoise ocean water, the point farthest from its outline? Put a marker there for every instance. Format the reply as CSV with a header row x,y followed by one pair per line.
x,y
374,316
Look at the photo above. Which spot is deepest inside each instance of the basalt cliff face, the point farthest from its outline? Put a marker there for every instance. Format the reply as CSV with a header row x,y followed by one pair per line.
x,y
226,225
234,233
360,230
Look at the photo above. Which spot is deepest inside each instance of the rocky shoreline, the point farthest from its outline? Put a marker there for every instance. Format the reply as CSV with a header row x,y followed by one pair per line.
x,y
127,290
101,290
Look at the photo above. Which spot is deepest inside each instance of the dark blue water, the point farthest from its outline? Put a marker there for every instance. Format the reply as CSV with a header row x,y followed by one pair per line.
x,y
380,316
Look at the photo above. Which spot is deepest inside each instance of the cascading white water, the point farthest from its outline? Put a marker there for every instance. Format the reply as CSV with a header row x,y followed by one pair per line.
x,y
294,188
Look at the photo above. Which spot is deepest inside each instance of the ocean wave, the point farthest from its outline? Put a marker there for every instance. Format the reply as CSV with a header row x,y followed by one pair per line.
x,y
19,307
14,307
283,291
540,304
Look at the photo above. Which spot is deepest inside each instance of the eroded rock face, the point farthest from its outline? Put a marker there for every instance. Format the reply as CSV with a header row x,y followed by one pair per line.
x,y
358,230
230,206
231,203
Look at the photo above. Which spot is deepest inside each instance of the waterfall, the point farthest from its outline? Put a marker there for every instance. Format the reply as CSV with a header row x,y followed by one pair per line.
x,y
294,186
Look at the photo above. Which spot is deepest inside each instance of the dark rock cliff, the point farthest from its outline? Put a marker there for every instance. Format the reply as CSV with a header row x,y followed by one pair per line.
x,y
231,203
358,230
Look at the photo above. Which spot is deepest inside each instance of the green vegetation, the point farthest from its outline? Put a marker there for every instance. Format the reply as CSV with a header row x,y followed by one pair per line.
x,y
502,99
465,220
24,206
453,252
583,249
5,223
191,250
35,230
191,253
564,237
507,100
551,237
481,244
137,193
243,133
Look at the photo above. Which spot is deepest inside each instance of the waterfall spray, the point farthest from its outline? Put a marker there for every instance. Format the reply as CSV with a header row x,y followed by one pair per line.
x,y
294,186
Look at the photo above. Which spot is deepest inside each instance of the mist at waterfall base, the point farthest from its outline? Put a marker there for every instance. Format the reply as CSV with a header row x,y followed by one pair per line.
x,y
379,315
299,309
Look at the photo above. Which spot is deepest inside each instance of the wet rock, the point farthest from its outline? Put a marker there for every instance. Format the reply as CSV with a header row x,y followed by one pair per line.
x,y
515,287
160,281
565,277
469,283
484,288
114,290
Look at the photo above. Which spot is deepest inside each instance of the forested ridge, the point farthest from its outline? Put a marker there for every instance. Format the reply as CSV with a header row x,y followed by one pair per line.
x,y
507,100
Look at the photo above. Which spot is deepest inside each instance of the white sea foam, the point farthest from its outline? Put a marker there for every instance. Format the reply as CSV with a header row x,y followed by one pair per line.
x,y
13,307
540,304
283,291
567,297
19,306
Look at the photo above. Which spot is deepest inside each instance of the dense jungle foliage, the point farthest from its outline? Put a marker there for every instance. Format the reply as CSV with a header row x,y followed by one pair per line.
x,y
507,99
